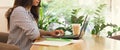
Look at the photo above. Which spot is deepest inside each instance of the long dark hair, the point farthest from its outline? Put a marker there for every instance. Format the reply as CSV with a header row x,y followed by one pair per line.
x,y
25,3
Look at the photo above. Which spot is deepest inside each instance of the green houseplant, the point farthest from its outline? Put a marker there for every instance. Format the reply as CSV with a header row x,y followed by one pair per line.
x,y
45,19
51,11
99,22
74,20
114,30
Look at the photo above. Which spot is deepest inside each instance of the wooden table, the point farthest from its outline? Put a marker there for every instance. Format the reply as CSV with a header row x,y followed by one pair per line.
x,y
86,43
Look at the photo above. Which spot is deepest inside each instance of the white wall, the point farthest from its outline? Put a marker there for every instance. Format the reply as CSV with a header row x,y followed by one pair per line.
x,y
116,11
4,5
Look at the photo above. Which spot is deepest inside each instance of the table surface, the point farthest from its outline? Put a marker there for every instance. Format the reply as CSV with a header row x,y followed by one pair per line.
x,y
86,43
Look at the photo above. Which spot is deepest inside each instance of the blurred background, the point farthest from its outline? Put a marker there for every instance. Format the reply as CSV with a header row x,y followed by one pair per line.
x,y
4,5
112,11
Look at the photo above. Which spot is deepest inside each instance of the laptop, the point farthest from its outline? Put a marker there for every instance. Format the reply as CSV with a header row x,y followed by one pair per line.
x,y
84,26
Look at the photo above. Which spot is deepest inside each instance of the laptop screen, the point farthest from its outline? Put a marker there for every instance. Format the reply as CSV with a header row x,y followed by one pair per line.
x,y
84,26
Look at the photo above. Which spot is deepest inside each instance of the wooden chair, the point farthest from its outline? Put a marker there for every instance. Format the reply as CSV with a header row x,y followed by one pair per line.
x,y
3,37
3,42
5,46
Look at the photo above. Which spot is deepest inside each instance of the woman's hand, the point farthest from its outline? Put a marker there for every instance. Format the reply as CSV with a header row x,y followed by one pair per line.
x,y
57,33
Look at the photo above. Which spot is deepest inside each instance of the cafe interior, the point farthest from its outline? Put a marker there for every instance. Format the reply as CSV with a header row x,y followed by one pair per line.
x,y
94,22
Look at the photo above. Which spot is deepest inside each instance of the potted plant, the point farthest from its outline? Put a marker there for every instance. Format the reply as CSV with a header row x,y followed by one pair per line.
x,y
50,13
114,30
99,22
74,20
97,28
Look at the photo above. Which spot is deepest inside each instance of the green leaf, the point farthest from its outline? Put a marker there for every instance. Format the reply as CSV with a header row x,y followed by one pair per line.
x,y
109,33
97,29
114,30
102,27
119,29
73,19
93,31
98,11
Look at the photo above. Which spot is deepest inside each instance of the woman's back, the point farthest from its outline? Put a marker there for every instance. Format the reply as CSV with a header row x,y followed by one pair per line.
x,y
23,28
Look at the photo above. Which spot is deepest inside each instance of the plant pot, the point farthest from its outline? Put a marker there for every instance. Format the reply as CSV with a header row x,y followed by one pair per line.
x,y
95,35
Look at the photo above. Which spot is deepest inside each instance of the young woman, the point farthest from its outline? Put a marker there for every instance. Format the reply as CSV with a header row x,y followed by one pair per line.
x,y
22,24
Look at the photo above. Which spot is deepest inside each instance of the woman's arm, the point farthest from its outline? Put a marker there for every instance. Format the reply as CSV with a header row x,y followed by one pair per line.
x,y
43,32
52,33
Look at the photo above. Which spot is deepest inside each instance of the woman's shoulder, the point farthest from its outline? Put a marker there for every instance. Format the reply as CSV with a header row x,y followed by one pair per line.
x,y
20,8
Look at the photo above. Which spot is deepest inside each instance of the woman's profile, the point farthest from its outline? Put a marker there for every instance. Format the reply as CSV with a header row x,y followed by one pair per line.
x,y
22,24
